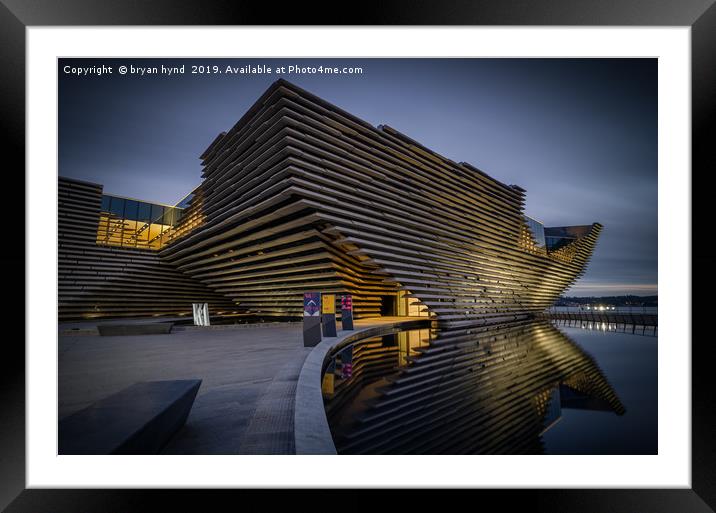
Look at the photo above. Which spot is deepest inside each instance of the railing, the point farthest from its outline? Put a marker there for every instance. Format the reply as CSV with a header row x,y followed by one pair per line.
x,y
632,329
639,316
616,309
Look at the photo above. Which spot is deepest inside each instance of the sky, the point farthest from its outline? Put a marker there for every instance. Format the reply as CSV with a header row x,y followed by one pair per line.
x,y
580,135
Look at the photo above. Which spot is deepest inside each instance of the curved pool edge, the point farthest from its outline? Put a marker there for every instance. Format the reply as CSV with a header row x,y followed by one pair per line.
x,y
312,435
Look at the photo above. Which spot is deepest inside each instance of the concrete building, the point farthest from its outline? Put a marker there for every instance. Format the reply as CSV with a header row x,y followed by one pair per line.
x,y
300,195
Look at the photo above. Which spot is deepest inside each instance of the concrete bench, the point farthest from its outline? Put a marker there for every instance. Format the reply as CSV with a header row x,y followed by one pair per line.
x,y
155,328
140,419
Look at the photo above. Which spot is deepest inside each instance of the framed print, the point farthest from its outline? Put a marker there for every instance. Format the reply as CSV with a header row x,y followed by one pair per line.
x,y
496,203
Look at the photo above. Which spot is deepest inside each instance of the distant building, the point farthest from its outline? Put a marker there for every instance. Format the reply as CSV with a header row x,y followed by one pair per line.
x,y
302,196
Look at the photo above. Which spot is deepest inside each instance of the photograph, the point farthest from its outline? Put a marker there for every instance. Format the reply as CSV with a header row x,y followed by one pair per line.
x,y
270,251
342,256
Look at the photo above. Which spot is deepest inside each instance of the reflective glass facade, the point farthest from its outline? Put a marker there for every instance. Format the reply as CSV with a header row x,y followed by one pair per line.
x,y
136,224
555,242
532,237
560,236
537,230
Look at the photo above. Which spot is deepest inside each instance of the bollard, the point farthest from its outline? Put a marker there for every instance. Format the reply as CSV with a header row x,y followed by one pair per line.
x,y
328,309
311,319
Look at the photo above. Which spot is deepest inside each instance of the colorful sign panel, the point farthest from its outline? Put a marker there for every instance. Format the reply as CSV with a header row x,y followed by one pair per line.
x,y
346,302
328,302
311,304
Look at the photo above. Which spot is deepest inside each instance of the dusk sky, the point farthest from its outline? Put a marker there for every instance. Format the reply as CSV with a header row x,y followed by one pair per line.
x,y
580,135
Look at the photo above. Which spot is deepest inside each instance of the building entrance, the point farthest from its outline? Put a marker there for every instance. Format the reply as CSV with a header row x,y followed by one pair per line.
x,y
388,306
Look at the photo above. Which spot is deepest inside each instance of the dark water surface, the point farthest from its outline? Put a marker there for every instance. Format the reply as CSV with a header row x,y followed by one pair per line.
x,y
630,364
526,388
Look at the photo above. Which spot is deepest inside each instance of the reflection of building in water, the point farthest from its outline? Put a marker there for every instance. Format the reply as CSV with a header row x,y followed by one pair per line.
x,y
373,363
489,391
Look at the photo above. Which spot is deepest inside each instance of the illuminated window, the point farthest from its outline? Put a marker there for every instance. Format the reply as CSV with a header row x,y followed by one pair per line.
x,y
137,224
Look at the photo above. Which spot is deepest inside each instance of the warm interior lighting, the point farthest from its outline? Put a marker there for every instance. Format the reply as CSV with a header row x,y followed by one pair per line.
x,y
136,224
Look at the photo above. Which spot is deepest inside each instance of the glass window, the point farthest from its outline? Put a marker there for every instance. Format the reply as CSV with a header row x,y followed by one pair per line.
x,y
142,233
157,213
117,207
133,223
114,232
537,230
144,212
130,209
169,216
186,201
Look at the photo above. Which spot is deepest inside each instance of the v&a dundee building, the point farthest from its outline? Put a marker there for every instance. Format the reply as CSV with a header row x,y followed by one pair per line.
x,y
300,196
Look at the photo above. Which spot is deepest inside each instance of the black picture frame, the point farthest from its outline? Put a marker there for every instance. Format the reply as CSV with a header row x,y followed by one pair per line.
x,y
700,15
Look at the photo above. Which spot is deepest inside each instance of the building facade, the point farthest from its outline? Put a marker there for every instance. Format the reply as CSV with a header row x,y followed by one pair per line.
x,y
99,277
300,195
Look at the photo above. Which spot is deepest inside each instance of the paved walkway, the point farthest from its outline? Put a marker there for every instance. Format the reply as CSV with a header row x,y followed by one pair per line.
x,y
246,401
237,366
